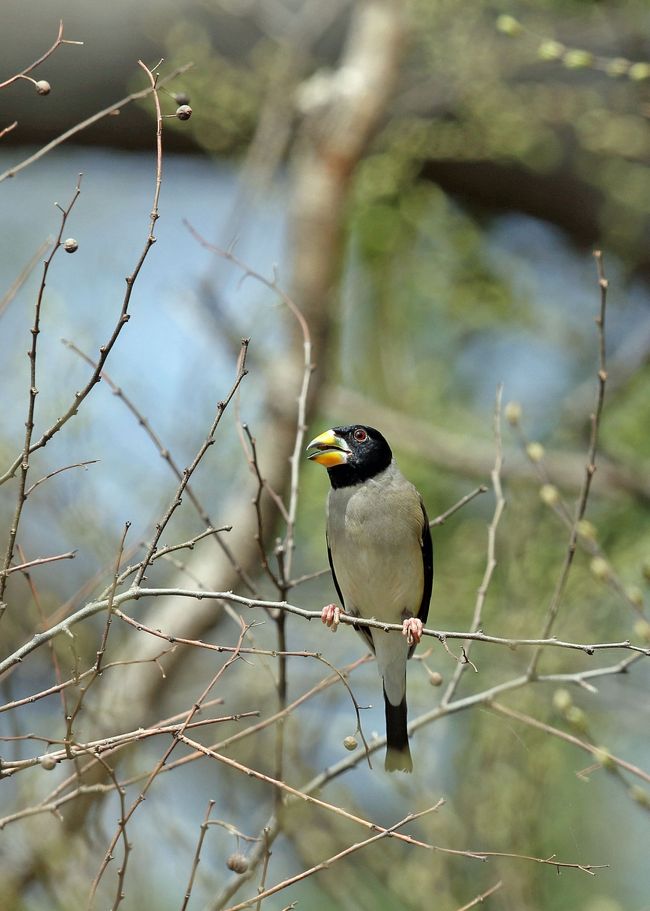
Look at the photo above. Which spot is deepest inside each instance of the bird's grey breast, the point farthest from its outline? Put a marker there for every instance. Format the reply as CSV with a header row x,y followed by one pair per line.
x,y
374,532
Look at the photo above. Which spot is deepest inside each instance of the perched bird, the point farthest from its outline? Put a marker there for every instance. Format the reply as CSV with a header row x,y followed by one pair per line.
x,y
380,553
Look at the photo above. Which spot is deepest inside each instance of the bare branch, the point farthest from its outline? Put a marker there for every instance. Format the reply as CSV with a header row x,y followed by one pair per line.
x,y
325,864
123,318
40,561
442,518
116,741
491,562
84,124
53,474
3,132
135,593
165,453
180,734
197,855
57,43
481,898
23,459
597,752
189,471
590,469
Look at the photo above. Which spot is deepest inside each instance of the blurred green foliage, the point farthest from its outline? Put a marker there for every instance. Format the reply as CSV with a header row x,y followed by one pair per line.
x,y
566,93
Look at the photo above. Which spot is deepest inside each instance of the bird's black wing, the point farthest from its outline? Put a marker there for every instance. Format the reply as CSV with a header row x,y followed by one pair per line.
x,y
363,631
336,582
426,547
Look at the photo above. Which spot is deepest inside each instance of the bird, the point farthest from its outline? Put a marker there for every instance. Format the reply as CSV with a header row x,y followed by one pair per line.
x,y
381,557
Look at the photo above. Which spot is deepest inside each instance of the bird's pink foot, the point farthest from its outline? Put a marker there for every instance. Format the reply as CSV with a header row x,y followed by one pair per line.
x,y
412,629
331,616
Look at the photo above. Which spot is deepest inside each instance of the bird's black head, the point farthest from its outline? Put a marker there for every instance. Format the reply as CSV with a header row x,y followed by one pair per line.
x,y
351,454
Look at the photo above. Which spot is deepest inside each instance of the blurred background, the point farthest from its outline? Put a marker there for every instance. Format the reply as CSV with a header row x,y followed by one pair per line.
x,y
427,180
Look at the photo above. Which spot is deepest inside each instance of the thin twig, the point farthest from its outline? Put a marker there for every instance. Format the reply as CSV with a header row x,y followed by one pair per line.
x,y
257,503
115,741
188,472
135,593
485,697
23,459
481,898
590,468
265,868
325,864
84,124
73,681
123,318
167,456
58,676
197,855
3,133
442,518
179,735
40,561
596,751
53,801
306,794
163,552
295,792
275,653
317,783
57,471
296,456
109,612
491,561
286,549
59,40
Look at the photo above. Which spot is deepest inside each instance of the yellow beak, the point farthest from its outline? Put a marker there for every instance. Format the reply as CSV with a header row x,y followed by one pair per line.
x,y
330,450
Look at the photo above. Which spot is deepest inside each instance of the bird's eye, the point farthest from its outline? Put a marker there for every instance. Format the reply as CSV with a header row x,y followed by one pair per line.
x,y
360,435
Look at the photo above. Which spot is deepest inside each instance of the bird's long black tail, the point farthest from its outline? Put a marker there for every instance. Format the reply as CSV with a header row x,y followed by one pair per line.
x,y
398,754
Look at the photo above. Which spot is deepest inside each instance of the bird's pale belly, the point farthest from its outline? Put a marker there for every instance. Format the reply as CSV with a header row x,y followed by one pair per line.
x,y
379,579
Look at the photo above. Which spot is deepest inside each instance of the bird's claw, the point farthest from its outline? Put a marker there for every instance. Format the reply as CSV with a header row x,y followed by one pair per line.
x,y
412,629
331,616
